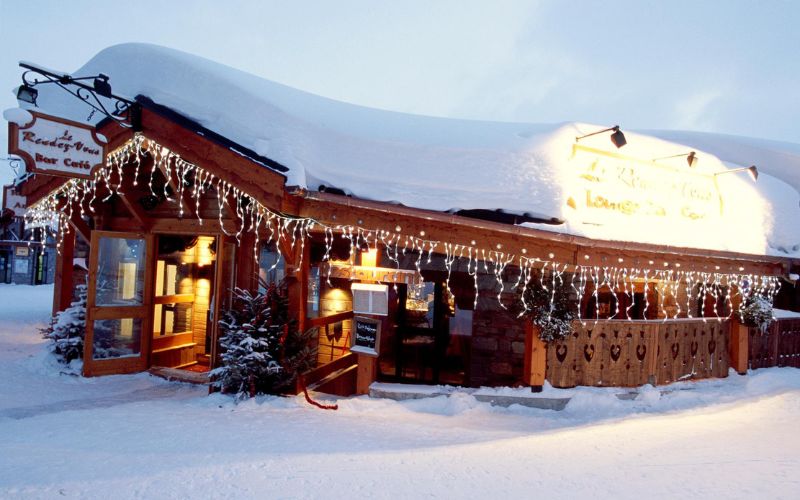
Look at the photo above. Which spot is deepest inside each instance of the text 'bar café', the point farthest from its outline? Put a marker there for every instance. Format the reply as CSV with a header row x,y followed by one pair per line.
x,y
422,250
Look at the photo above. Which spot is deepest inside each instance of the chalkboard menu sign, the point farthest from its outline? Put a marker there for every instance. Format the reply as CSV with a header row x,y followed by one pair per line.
x,y
367,337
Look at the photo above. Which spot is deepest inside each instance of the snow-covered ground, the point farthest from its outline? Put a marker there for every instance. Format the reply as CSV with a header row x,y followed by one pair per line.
x,y
141,437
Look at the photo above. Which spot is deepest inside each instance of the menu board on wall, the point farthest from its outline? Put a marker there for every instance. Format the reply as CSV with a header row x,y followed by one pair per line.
x,y
367,335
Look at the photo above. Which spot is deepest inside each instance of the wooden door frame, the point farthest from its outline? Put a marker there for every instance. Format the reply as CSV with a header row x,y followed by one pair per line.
x,y
223,277
128,364
217,289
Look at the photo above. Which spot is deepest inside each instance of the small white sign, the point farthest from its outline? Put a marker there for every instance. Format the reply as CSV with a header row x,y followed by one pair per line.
x,y
56,146
370,298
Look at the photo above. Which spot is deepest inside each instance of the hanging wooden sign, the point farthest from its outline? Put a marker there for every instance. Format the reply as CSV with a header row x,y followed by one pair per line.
x,y
55,146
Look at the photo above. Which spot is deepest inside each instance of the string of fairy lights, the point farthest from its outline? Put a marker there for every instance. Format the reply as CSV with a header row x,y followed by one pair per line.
x,y
54,212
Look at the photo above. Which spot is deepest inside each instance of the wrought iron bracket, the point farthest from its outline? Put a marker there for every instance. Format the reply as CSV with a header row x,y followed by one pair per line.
x,y
125,113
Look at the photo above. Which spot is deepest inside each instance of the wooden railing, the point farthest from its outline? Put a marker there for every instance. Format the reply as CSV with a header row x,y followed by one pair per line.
x,y
778,346
329,320
334,336
634,353
336,377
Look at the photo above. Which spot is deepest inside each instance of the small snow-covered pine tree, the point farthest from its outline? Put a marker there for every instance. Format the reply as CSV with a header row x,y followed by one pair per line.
x,y
262,352
68,328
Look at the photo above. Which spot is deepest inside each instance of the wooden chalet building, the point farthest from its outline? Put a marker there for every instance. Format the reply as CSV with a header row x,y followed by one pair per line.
x,y
178,214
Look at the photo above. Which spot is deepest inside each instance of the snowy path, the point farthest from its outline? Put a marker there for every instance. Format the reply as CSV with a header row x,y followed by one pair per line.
x,y
148,394
142,437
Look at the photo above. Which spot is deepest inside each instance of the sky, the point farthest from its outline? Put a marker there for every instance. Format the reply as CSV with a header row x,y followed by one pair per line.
x,y
717,66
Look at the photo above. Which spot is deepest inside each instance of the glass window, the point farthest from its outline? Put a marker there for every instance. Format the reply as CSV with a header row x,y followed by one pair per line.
x,y
419,305
120,272
270,266
312,298
172,318
461,322
173,277
116,338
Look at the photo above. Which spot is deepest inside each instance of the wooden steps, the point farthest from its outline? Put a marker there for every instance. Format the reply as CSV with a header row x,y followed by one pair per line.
x,y
174,351
174,347
185,365
175,374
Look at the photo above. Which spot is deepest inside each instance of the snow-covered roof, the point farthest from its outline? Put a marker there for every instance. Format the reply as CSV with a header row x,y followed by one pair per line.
x,y
449,164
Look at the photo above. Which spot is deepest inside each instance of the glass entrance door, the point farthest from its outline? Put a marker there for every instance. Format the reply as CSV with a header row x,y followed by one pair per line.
x,y
118,303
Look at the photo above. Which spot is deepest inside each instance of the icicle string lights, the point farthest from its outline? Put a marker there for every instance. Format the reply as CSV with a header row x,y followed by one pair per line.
x,y
676,291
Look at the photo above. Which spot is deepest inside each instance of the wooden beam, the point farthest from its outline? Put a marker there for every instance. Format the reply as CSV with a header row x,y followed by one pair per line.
x,y
535,367
169,225
333,318
81,227
437,226
135,210
246,264
116,135
171,180
36,188
738,347
264,184
62,284
367,373
297,272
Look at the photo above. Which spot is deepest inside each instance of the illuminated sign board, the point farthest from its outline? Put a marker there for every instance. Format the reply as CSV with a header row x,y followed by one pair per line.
x,y
611,188
56,146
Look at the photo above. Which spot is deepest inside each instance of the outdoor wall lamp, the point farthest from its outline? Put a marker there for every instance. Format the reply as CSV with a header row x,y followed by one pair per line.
x,y
691,158
126,113
752,170
618,138
27,94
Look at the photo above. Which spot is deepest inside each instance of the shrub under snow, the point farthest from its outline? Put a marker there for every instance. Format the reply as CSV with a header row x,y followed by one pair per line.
x,y
67,329
757,313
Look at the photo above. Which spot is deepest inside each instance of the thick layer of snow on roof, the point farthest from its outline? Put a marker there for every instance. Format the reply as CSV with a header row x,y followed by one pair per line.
x,y
444,164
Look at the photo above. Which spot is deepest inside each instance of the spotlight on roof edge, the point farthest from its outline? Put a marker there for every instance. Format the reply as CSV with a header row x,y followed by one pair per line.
x,y
752,171
618,138
691,158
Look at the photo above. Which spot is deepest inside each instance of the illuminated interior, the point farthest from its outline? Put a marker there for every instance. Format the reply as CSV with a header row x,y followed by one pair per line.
x,y
182,322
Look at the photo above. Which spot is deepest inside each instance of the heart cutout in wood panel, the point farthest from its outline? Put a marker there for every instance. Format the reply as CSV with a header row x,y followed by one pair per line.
x,y
561,352
588,352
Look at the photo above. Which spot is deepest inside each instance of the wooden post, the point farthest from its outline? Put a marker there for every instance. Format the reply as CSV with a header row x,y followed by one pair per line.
x,y
246,265
738,347
298,263
366,374
62,284
535,358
